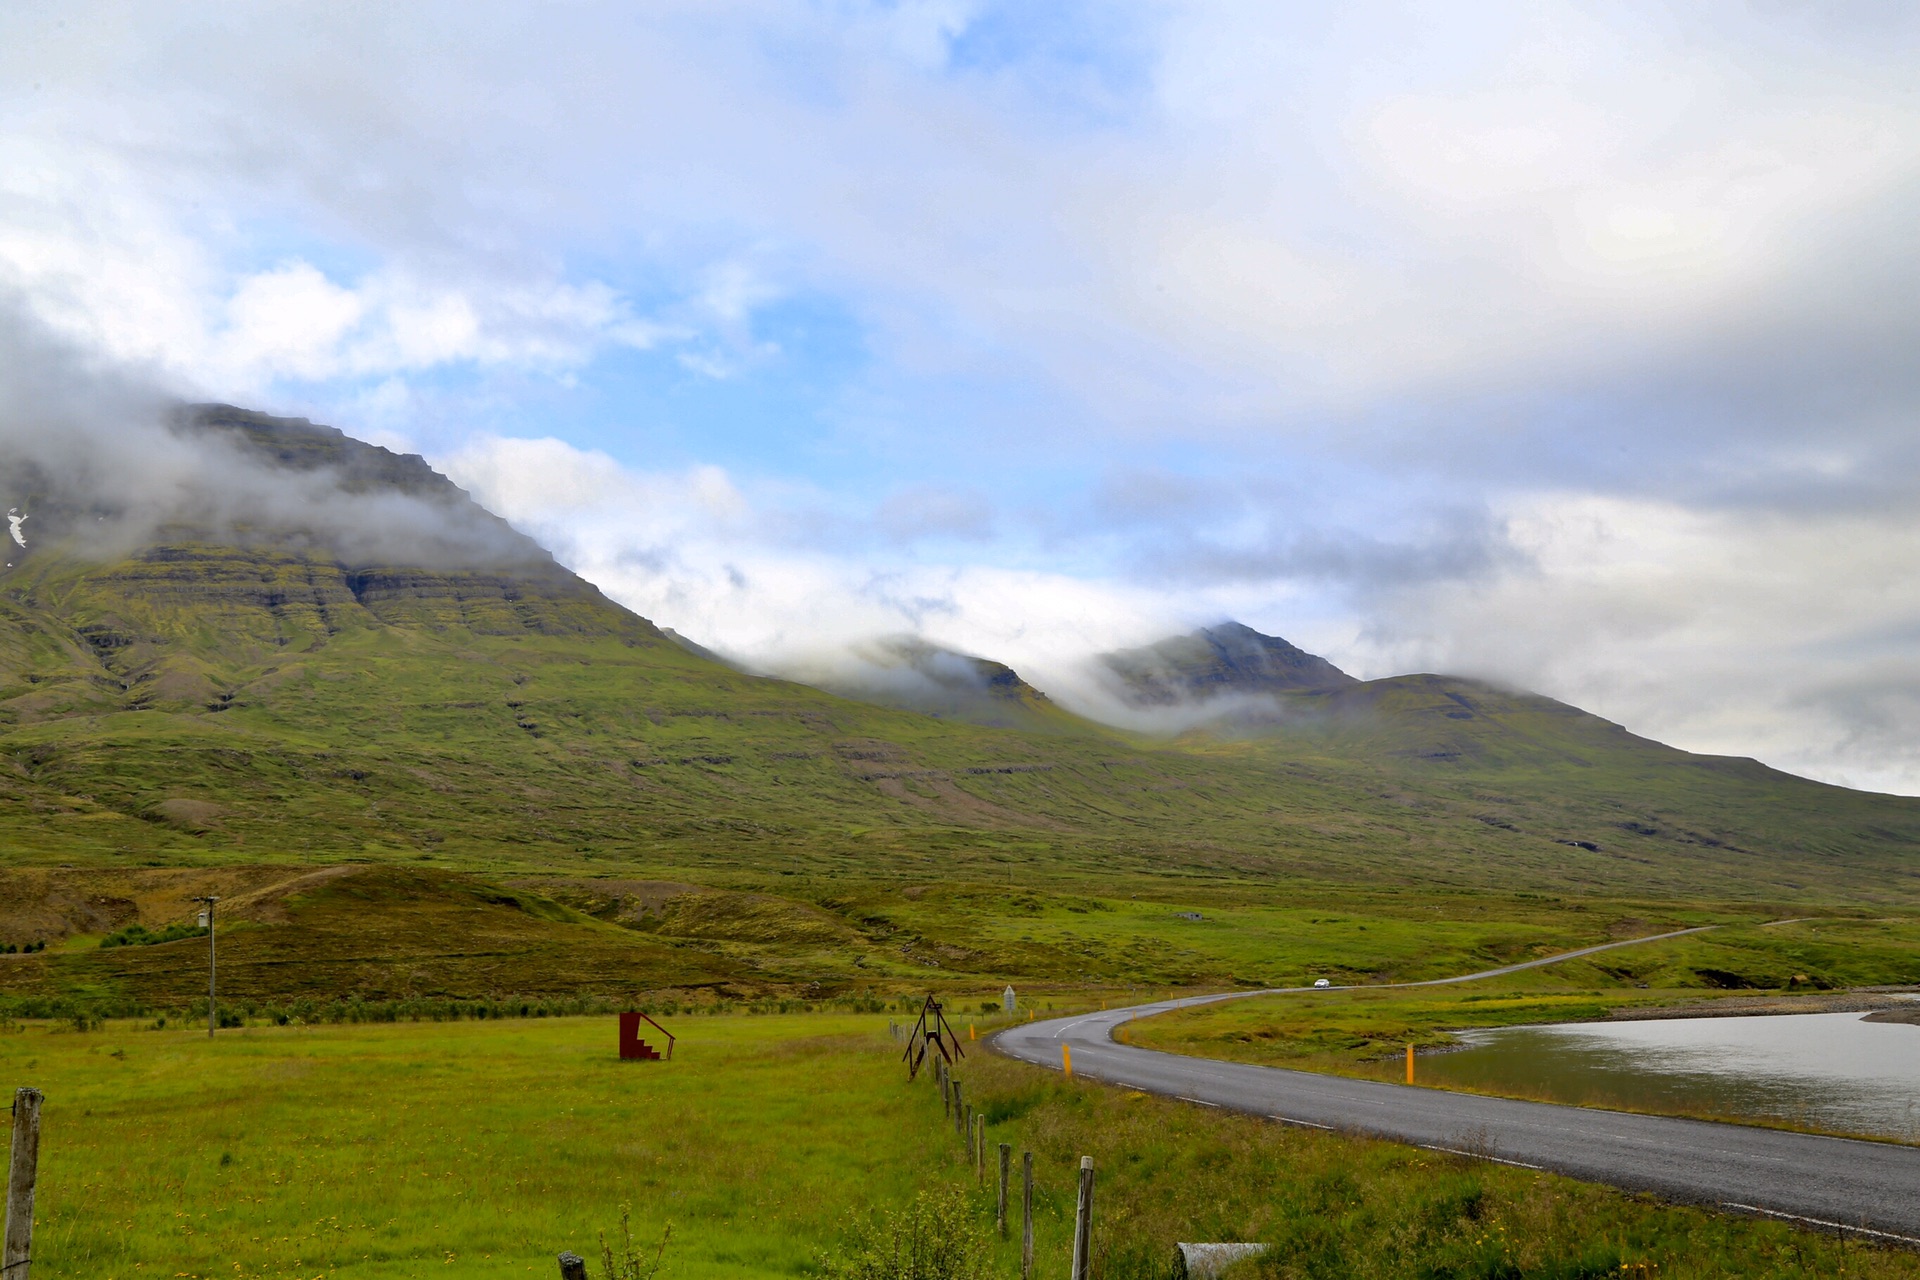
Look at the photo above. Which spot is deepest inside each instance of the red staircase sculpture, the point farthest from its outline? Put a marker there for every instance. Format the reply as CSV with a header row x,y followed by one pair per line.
x,y
633,1047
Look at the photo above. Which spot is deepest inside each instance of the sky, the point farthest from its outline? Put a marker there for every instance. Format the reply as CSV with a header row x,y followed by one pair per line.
x,y
1567,346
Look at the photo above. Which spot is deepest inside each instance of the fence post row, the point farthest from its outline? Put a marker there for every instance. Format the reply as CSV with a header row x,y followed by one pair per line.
x,y
1083,1223
1026,1215
16,1256
1006,1159
972,1125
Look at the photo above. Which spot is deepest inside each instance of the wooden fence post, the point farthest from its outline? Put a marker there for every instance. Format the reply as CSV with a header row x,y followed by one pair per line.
x,y
968,1133
1083,1223
16,1258
573,1267
1026,1215
980,1165
1006,1169
946,1094
958,1119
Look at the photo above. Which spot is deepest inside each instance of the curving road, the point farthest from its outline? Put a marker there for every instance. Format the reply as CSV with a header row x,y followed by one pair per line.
x,y
1870,1188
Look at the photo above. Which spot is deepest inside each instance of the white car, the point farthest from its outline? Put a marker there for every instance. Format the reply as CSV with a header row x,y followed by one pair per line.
x,y
1321,982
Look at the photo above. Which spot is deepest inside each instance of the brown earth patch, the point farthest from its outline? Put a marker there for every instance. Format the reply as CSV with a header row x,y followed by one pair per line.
x,y
623,900
953,804
51,903
190,814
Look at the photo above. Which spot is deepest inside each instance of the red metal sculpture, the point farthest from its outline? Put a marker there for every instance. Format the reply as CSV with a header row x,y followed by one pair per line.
x,y
632,1046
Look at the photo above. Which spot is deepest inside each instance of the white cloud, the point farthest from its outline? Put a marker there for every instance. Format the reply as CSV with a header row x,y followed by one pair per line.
x,y
1299,212
692,550
291,321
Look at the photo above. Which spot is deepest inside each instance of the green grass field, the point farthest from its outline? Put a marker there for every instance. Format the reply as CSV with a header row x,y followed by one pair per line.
x,y
458,1149
486,1148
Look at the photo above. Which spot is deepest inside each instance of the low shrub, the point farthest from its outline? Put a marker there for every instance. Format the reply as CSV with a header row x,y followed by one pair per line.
x,y
628,1264
935,1236
138,935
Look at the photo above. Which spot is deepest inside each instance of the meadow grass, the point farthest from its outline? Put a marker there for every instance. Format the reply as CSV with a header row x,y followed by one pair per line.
x,y
485,1148
458,1149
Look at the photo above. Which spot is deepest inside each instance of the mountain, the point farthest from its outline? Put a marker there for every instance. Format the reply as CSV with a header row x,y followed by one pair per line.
x,y
911,674
1216,664
303,648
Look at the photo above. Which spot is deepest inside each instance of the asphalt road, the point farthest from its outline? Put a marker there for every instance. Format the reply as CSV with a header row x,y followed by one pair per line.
x,y
1872,1188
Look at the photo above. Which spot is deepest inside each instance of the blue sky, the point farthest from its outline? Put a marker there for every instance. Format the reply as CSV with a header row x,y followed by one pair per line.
x,y
1562,345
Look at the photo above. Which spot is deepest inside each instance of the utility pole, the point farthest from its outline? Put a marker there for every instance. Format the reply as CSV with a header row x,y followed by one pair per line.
x,y
212,1022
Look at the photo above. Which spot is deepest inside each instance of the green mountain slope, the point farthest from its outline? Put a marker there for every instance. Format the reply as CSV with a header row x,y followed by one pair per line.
x,y
387,672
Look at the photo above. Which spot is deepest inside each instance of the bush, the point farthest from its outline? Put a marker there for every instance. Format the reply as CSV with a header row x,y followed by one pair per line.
x,y
138,935
935,1237
628,1264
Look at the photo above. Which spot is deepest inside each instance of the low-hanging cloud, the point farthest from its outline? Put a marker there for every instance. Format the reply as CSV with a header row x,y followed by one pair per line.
x,y
98,458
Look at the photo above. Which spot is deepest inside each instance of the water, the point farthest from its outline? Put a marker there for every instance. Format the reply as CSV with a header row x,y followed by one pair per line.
x,y
1828,1070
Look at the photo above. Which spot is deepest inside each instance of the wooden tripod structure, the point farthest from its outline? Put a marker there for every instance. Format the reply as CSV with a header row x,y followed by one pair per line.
x,y
931,1034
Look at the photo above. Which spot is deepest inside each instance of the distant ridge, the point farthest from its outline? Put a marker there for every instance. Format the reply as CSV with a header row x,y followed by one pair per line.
x,y
908,673
1217,662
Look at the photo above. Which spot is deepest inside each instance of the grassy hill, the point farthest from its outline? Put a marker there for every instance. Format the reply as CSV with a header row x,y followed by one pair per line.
x,y
367,668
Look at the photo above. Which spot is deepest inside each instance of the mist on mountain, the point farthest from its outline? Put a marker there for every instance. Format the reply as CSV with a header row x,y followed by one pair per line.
x,y
97,460
911,673
1225,677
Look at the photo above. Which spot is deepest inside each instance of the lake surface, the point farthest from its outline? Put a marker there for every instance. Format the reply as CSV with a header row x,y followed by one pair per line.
x,y
1829,1070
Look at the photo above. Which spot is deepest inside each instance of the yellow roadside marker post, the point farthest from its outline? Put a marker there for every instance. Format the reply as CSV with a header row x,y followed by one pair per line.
x,y
1409,1064
1066,1061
